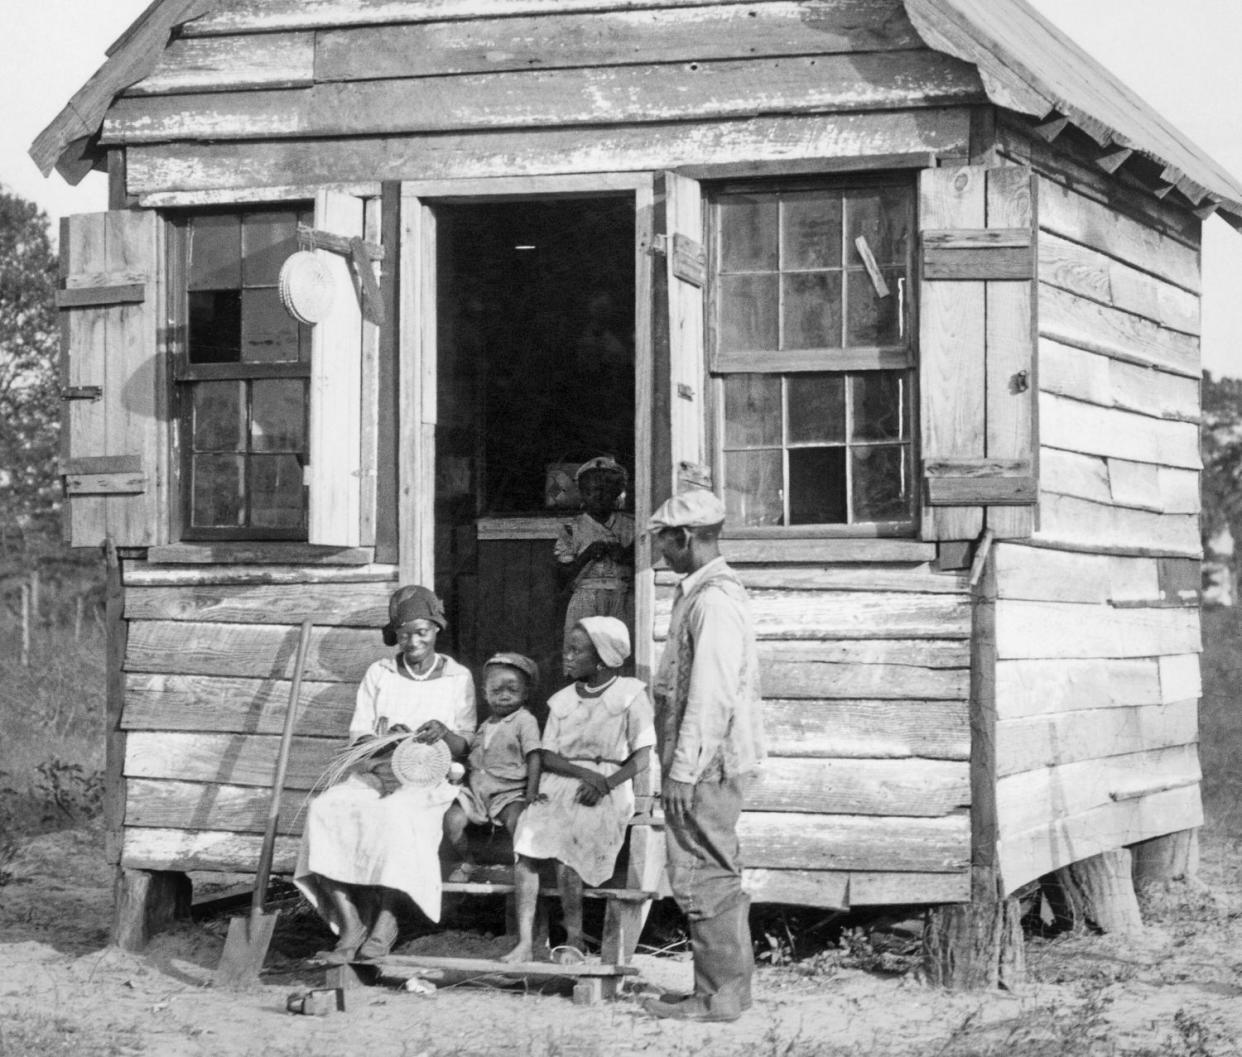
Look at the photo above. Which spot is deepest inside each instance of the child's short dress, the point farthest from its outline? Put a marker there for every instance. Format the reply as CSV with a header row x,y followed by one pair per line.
x,y
497,765
602,588
599,732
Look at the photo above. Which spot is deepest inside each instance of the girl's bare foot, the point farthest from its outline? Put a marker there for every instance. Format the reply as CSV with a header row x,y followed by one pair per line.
x,y
521,953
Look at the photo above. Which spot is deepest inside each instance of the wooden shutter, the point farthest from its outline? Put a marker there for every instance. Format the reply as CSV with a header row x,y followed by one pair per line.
x,y
114,428
685,277
977,351
336,389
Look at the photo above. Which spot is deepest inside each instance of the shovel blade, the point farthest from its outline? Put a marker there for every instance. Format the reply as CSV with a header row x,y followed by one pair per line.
x,y
245,950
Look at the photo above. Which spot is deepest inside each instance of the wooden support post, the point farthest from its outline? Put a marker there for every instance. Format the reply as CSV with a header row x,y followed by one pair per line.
x,y
1173,857
146,902
1098,893
978,945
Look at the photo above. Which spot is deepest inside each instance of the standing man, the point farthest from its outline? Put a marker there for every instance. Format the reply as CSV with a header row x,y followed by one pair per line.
x,y
709,730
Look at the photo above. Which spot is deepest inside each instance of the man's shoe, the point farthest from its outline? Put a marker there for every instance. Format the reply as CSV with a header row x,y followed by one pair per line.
x,y
670,998
692,1008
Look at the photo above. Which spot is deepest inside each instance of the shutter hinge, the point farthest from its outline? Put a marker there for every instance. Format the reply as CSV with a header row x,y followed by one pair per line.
x,y
81,392
659,245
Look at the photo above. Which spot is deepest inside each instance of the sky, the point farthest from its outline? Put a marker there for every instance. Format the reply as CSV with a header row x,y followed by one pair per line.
x,y
1183,59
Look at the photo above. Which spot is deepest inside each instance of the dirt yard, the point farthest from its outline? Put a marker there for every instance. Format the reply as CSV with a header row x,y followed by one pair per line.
x,y
1174,991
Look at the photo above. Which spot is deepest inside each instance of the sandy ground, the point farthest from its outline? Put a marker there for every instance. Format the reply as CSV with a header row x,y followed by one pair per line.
x,y
1176,989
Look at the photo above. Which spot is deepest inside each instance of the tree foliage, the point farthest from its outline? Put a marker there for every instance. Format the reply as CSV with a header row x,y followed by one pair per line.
x,y
29,384
1221,443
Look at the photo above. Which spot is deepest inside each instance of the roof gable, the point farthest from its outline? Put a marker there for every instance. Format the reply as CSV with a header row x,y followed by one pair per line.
x,y
1026,65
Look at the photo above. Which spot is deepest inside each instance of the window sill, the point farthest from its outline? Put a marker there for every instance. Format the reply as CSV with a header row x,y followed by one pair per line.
x,y
258,553
786,547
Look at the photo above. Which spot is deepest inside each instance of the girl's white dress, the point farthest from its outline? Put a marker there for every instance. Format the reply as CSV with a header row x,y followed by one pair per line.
x,y
601,733
356,836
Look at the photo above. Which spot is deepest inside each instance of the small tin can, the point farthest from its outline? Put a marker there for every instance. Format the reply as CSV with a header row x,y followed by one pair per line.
x,y
318,1002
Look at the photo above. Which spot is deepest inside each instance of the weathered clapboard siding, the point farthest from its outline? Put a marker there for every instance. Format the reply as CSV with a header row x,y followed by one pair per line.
x,y
1071,737
1079,524
875,729
926,669
1046,630
1139,486
1072,425
873,18
1044,575
845,615
334,605
146,574
586,96
1084,324
843,889
1044,687
1088,273
237,759
1110,383
1067,789
1026,855
226,705
549,151
268,60
249,650
610,38
901,579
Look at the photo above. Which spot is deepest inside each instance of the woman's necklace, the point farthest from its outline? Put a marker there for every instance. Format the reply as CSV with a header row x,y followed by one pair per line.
x,y
417,676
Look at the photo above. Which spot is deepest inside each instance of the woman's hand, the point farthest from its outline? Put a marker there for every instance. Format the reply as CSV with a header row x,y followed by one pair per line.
x,y
592,790
430,732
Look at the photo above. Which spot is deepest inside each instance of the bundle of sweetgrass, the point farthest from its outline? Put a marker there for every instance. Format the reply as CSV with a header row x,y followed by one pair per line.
x,y
413,762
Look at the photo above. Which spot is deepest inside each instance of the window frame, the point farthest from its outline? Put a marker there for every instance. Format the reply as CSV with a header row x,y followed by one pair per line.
x,y
785,364
183,375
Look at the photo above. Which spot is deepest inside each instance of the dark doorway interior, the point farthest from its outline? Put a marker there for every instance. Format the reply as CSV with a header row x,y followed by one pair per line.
x,y
535,373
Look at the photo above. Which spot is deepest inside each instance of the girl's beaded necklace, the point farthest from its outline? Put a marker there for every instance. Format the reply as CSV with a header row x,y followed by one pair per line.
x,y
585,690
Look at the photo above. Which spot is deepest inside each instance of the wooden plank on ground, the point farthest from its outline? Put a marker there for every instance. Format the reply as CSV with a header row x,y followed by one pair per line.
x,y
1034,798
1083,271
546,151
1073,216
240,706
874,729
1048,630
266,16
1071,737
839,889
1083,324
1032,853
1072,425
609,38
1077,524
909,787
362,605
266,60
144,574
846,842
237,759
845,615
534,98
1097,379
1044,687
256,650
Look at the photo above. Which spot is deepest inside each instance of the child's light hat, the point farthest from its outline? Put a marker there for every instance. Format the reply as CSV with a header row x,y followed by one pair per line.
x,y
696,508
610,637
514,660
605,464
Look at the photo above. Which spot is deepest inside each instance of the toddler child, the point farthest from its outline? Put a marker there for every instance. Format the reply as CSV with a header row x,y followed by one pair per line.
x,y
504,763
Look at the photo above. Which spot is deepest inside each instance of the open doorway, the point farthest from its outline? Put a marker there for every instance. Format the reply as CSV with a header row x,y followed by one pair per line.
x,y
535,374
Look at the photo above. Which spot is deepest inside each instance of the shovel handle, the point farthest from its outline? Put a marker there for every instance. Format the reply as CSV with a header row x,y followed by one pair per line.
x,y
282,766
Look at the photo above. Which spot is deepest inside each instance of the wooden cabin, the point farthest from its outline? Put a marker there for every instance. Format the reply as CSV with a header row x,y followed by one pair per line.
x,y
917,280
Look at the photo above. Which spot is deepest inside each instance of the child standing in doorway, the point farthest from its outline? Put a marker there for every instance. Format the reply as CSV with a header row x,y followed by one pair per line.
x,y
595,551
504,763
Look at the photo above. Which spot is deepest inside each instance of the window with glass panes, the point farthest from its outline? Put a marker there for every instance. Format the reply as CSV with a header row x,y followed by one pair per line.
x,y
813,355
243,372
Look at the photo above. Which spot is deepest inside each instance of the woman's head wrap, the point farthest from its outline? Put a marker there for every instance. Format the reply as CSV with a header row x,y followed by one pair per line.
x,y
515,660
610,637
604,464
410,603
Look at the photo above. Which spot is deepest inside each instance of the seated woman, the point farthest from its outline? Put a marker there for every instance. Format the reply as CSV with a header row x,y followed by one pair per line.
x,y
599,734
369,838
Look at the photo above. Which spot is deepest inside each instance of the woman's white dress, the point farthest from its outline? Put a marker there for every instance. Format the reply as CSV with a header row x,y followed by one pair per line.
x,y
356,836
600,733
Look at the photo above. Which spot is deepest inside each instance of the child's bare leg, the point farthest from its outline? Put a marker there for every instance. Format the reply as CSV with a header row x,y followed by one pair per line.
x,y
526,880
570,885
455,822
509,815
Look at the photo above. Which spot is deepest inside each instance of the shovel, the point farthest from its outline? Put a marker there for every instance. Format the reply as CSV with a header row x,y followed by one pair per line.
x,y
245,948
